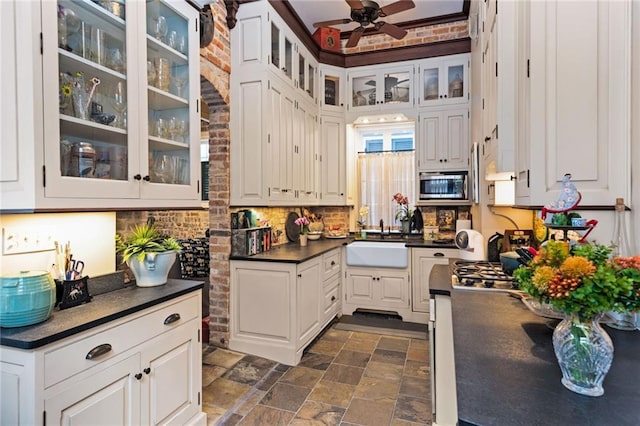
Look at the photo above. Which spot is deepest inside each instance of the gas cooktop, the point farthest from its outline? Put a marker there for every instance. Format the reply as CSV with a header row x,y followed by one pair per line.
x,y
481,275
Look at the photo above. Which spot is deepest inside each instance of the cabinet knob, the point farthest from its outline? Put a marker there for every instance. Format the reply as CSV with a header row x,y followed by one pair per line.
x,y
284,69
445,160
171,318
138,177
147,370
138,376
333,262
333,298
98,350
147,178
487,138
441,160
341,105
440,96
299,275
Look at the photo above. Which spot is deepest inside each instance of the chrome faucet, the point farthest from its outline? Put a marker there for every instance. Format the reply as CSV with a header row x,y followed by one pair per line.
x,y
381,229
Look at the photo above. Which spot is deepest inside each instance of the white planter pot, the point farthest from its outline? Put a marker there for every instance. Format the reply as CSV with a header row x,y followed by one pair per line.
x,y
153,270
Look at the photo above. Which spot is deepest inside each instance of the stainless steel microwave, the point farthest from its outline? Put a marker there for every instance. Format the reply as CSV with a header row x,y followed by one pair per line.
x,y
444,186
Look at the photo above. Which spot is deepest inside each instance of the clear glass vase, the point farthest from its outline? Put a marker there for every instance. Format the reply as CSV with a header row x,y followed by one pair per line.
x,y
584,351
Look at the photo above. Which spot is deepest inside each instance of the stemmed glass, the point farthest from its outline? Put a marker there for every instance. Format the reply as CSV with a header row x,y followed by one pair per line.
x,y
120,104
179,79
159,27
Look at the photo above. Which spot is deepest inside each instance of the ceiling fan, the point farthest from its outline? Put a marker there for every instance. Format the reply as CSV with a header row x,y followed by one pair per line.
x,y
365,13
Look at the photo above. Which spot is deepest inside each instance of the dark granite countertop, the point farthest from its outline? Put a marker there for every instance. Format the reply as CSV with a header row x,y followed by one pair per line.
x,y
102,309
507,372
295,253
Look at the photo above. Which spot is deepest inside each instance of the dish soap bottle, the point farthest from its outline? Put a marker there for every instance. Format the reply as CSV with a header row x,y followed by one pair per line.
x,y
621,248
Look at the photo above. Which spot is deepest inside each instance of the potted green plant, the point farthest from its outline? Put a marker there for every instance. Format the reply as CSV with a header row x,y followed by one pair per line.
x,y
148,253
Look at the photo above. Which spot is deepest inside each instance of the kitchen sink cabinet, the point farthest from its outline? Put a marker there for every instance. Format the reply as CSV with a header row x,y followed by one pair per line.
x,y
118,372
379,89
104,133
422,262
278,308
578,107
378,288
443,139
443,81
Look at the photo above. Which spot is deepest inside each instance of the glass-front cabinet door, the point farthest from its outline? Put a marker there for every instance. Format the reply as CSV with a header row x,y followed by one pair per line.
x,y
332,91
118,100
381,87
170,88
443,81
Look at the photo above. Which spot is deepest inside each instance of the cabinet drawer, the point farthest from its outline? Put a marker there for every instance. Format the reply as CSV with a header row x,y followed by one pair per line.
x,y
330,264
70,359
331,300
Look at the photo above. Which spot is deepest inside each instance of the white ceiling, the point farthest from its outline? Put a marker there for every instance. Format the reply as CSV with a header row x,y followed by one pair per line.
x,y
311,11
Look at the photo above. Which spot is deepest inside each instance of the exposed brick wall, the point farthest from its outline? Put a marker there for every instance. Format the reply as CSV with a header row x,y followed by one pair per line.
x,y
415,36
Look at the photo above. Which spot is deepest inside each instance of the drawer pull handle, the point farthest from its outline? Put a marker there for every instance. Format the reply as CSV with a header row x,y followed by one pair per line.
x,y
147,370
438,254
98,350
171,318
138,376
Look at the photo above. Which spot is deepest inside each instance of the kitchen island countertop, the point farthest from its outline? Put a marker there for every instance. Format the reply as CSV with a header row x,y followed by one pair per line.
x,y
507,372
102,309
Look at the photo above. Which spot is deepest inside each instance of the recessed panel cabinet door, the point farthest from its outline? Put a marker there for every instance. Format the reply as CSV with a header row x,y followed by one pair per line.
x,y
171,391
109,397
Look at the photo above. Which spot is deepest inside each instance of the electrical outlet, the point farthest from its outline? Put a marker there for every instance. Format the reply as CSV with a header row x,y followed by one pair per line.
x,y
26,240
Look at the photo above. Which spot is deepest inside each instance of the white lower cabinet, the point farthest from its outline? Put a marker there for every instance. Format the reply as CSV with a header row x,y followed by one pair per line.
x,y
278,308
144,368
422,262
378,288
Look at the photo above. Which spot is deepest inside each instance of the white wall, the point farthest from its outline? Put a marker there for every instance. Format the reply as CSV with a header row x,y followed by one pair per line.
x,y
92,238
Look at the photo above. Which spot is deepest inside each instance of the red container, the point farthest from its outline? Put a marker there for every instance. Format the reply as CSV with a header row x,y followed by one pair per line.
x,y
328,38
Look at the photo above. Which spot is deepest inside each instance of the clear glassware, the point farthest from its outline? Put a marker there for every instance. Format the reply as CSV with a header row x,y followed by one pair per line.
x,y
151,73
182,44
621,247
172,39
120,104
179,79
158,27
585,352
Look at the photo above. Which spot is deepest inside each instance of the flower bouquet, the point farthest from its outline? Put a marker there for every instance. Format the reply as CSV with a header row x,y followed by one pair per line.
x,y
583,283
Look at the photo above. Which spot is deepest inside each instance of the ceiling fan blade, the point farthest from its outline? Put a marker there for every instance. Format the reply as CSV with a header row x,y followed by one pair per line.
x,y
390,29
355,4
331,22
355,37
396,7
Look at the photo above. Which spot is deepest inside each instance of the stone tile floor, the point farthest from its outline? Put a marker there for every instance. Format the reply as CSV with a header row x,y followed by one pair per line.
x,y
344,378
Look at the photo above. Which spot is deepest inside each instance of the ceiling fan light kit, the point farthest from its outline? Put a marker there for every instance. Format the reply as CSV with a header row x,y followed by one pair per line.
x,y
366,13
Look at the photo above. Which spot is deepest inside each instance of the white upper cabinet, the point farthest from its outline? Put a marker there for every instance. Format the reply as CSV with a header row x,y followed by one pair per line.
x,y
332,89
443,140
380,88
443,80
117,125
579,105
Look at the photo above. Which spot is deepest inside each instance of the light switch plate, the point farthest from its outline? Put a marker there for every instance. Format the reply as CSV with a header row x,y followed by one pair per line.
x,y
25,240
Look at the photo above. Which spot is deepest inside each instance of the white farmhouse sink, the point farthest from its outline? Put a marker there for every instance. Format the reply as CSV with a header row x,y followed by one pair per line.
x,y
377,254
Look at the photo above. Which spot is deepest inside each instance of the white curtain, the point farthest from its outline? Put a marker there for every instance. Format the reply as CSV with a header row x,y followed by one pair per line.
x,y
381,176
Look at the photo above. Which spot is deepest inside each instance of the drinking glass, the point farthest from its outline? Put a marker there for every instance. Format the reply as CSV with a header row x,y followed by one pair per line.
x,y
160,129
151,73
183,45
162,74
158,27
120,104
172,127
179,78
116,60
164,168
172,39
183,129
